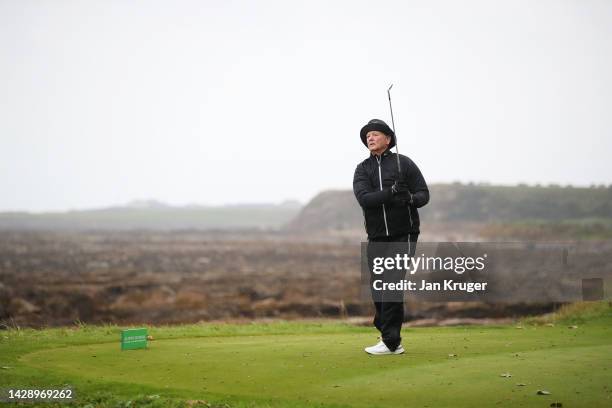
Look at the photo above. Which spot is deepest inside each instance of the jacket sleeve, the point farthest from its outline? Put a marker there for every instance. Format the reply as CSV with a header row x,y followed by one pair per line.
x,y
366,195
417,186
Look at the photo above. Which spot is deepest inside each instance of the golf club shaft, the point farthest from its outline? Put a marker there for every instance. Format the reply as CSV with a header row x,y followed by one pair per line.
x,y
399,167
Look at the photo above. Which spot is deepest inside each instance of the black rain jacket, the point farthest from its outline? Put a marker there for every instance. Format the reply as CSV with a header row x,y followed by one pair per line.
x,y
384,216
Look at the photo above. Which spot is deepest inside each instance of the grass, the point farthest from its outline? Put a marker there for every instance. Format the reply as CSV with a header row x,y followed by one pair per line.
x,y
299,364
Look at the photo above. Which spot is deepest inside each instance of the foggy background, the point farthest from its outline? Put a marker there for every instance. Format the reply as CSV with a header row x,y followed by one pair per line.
x,y
216,102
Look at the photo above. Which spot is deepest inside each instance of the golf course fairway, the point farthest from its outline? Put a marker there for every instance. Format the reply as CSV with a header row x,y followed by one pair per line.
x,y
323,364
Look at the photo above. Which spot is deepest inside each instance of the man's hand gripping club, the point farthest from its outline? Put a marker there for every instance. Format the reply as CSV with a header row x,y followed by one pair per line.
x,y
401,193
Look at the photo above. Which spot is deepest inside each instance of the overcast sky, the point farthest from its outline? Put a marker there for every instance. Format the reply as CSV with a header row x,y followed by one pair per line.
x,y
213,102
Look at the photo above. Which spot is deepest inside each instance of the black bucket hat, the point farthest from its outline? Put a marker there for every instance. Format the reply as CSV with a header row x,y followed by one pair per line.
x,y
379,125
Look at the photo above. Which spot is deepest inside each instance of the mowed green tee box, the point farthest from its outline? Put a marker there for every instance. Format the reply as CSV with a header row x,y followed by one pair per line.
x,y
133,339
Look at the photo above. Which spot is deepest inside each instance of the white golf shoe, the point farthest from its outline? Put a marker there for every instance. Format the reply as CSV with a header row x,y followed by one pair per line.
x,y
381,349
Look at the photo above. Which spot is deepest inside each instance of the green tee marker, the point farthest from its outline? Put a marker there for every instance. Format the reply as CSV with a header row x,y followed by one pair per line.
x,y
132,339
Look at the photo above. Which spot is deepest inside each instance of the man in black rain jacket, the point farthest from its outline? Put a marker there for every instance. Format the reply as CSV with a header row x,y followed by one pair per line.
x,y
389,200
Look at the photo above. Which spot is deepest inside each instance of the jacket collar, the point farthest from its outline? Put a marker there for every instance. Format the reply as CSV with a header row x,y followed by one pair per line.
x,y
385,154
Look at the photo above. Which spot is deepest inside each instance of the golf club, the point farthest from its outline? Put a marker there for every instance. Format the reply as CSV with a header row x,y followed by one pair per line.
x,y
399,167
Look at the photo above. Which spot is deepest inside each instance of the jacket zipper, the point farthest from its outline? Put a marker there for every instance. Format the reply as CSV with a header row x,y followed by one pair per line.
x,y
383,206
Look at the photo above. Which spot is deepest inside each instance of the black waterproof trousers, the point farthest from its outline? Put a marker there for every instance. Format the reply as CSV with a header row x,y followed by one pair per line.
x,y
389,315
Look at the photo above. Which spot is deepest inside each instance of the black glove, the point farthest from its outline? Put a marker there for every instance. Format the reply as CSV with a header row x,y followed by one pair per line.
x,y
401,193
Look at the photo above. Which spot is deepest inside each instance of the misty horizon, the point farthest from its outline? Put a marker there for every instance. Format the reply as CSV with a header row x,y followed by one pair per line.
x,y
194,102
153,202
